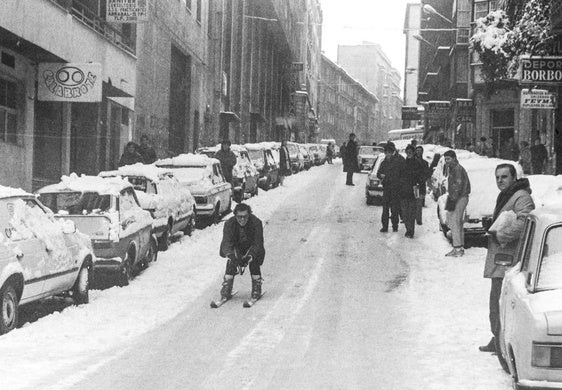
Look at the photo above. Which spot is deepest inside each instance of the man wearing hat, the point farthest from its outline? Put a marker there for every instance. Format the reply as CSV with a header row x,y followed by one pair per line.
x,y
389,173
227,159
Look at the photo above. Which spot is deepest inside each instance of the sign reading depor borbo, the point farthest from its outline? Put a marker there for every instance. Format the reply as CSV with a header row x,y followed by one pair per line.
x,y
541,70
69,82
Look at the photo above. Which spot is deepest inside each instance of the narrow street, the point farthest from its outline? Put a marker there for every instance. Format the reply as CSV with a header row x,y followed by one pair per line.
x,y
346,307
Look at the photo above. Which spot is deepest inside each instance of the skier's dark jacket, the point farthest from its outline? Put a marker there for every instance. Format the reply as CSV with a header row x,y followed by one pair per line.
x,y
243,239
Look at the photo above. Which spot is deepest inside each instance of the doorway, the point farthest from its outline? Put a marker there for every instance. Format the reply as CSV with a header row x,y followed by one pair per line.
x,y
503,128
47,144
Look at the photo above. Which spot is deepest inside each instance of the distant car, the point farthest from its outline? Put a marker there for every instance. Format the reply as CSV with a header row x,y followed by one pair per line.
x,y
530,338
264,162
313,151
107,210
171,204
295,157
322,150
373,186
39,256
204,178
274,148
366,156
307,163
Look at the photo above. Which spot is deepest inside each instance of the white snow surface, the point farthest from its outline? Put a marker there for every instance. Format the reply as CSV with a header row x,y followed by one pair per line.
x,y
84,183
6,192
151,172
187,160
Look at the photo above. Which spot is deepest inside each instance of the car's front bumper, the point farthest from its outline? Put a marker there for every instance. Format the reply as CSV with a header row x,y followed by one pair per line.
x,y
539,385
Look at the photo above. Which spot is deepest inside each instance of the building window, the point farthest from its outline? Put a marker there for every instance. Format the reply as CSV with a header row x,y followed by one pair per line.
x,y
8,114
198,12
483,8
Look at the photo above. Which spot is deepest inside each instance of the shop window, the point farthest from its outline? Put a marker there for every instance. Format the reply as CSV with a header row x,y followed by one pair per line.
x,y
8,114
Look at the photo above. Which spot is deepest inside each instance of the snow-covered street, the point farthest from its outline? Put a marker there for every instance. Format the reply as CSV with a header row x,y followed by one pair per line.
x,y
346,307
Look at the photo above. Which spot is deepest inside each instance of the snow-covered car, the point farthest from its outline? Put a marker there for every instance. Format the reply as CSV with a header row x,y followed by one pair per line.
x,y
39,256
264,162
204,178
373,185
274,148
484,191
295,156
530,339
171,204
366,156
107,210
307,159
322,150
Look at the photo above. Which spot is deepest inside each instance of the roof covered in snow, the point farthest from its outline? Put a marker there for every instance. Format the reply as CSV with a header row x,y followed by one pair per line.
x,y
101,185
8,192
150,172
187,160
254,146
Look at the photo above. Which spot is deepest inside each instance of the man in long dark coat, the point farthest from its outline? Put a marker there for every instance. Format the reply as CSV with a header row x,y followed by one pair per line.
x,y
389,173
350,163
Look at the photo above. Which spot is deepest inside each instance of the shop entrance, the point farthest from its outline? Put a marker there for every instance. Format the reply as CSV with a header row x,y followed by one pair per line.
x,y
47,148
503,128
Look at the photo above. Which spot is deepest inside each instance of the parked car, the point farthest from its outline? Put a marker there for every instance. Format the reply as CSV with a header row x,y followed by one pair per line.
x,y
171,204
366,156
274,148
107,210
307,163
530,338
373,185
322,150
314,153
264,162
244,175
39,256
295,156
204,178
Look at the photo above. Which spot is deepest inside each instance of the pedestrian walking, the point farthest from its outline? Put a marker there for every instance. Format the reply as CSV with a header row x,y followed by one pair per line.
x,y
514,196
130,155
410,180
329,152
146,151
525,157
425,175
389,173
242,245
457,199
539,157
284,162
227,159
350,163
481,146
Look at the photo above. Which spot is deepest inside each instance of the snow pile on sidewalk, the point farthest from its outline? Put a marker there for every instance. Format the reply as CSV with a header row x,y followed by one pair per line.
x,y
58,344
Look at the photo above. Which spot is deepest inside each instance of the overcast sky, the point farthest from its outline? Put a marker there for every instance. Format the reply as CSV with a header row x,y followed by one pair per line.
x,y
355,21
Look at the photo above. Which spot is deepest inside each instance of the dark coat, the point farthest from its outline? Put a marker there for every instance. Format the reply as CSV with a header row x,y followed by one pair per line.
x,y
410,175
239,241
391,169
350,163
130,158
228,161
284,162
148,154
425,175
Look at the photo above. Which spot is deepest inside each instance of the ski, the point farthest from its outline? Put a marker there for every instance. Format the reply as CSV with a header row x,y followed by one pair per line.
x,y
250,302
220,302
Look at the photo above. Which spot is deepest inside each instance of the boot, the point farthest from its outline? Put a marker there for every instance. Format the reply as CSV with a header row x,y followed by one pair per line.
x,y
226,290
256,288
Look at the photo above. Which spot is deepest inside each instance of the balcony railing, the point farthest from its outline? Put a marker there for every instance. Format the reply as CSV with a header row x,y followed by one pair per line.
x,y
96,23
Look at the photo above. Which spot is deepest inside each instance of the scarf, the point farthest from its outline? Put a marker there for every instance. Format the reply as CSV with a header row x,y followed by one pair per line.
x,y
503,197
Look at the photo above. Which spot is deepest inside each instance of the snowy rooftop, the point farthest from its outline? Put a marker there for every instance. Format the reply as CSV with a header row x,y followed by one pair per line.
x,y
187,160
151,172
101,185
7,192
254,146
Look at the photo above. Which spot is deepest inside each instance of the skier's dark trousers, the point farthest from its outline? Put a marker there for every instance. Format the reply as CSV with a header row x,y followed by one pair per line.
x,y
242,244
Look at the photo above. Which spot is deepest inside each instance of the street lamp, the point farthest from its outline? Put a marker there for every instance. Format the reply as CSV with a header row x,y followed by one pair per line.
x,y
432,11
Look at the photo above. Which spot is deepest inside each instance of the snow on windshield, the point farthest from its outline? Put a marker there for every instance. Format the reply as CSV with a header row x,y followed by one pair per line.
x,y
84,183
550,274
76,203
191,174
256,155
151,172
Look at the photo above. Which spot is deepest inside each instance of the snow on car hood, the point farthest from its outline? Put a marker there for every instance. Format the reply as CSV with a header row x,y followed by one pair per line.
x,y
149,201
187,160
6,192
546,301
84,183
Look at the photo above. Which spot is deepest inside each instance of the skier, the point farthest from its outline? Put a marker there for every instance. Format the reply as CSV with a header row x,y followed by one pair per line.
x,y
242,244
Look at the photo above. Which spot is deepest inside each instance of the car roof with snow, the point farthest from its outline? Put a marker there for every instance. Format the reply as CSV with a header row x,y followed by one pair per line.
x,y
254,146
151,172
10,192
187,160
271,144
75,183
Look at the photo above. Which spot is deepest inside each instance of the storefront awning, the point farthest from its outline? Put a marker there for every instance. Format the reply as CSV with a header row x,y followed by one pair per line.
x,y
229,116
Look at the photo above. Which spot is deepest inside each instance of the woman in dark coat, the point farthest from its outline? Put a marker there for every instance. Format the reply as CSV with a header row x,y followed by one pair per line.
x,y
350,163
284,162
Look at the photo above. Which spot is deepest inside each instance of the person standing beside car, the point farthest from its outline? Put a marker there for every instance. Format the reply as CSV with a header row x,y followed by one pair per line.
x,y
539,157
410,179
227,159
130,155
350,163
458,189
284,162
514,196
425,174
389,173
146,151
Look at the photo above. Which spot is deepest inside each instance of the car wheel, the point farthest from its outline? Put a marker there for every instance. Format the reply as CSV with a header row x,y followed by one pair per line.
x,y
165,240
10,310
216,218
126,272
151,254
369,200
188,231
80,291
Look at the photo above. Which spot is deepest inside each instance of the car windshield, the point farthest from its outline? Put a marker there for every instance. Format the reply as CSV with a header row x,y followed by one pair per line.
x,y
256,155
550,272
368,150
76,203
188,174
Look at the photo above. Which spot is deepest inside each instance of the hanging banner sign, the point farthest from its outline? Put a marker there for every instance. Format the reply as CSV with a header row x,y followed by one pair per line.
x,y
69,82
127,11
538,99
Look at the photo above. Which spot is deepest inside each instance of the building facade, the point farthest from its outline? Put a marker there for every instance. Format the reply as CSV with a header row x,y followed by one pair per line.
x,y
346,106
371,67
412,23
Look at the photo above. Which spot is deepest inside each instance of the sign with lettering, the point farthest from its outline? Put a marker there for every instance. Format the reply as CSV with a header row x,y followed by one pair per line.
x,y
410,113
541,70
438,109
464,110
127,11
538,99
69,82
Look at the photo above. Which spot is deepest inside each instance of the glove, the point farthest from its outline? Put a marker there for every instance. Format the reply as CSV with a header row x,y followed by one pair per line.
x,y
245,260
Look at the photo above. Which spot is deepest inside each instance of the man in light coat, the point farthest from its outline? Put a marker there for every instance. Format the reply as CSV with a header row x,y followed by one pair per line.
x,y
458,189
515,196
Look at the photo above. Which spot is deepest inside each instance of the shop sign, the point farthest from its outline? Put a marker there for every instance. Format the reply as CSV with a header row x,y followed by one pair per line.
x,y
127,11
541,70
410,113
465,110
538,99
438,109
70,82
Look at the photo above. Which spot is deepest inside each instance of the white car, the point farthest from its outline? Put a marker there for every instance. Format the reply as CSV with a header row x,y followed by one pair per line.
x,y
39,256
171,204
204,178
530,340
366,156
373,185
